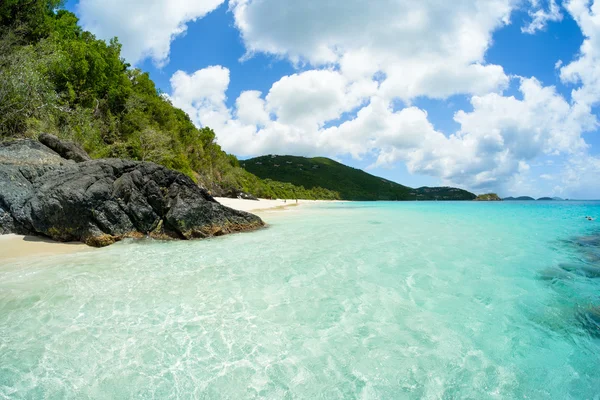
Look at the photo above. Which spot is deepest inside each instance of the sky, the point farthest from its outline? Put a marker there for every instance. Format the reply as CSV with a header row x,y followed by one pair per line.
x,y
487,95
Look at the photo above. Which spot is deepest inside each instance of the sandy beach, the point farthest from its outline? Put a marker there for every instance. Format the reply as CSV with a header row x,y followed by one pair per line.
x,y
17,246
264,205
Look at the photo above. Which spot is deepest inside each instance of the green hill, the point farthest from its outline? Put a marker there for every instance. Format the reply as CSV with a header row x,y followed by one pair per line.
x,y
488,197
350,183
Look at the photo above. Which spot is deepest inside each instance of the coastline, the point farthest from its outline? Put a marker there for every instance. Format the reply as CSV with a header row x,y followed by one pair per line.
x,y
13,247
262,206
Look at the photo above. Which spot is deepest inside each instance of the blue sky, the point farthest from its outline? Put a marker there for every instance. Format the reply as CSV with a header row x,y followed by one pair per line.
x,y
470,95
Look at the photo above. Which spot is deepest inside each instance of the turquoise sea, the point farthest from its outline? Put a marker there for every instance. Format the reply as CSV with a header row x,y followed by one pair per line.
x,y
333,301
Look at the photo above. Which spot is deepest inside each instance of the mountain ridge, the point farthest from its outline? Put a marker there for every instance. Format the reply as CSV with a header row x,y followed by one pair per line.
x,y
351,183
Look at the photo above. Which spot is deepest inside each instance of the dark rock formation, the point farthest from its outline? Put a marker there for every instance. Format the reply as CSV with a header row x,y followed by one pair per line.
x,y
67,150
553,273
587,270
100,202
238,194
589,318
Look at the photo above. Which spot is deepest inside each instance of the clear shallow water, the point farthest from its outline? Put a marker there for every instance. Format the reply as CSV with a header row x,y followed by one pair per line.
x,y
358,300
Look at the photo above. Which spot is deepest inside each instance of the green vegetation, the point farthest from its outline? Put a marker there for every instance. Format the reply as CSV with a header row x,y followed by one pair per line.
x,y
57,78
488,197
350,183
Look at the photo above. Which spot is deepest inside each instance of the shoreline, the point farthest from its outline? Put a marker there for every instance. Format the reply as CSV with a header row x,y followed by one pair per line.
x,y
262,206
14,247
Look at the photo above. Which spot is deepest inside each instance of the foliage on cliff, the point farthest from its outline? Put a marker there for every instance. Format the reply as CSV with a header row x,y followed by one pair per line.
x,y
57,78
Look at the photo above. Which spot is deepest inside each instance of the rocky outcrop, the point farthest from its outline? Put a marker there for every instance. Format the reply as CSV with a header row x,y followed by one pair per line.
x,y
67,150
238,194
103,201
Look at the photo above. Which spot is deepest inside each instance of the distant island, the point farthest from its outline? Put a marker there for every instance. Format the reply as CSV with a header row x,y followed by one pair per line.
x,y
350,183
551,199
521,198
488,197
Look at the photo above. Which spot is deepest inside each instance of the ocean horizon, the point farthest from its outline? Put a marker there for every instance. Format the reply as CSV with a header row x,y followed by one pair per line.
x,y
349,300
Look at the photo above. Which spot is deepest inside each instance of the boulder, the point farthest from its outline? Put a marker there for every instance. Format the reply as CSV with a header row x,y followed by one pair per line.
x,y
587,270
589,318
550,274
238,194
99,202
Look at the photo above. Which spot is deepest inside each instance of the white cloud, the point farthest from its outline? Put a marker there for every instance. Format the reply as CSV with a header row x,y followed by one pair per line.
x,y
251,109
146,28
491,150
426,48
315,97
202,95
580,177
586,69
540,17
365,58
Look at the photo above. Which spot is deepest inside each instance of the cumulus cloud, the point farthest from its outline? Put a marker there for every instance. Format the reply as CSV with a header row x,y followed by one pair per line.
x,y
493,147
365,58
202,95
540,16
315,97
146,28
496,140
586,69
426,48
580,177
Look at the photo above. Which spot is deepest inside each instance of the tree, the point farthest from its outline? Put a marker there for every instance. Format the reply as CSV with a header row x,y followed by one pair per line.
x,y
154,145
25,92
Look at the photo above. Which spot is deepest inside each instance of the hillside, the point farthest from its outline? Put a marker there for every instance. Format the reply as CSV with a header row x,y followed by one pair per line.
x,y
488,197
57,78
350,183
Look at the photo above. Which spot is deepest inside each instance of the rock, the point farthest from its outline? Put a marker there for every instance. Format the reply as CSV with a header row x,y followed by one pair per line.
x,y
238,194
589,318
592,256
588,241
550,274
99,202
67,150
587,270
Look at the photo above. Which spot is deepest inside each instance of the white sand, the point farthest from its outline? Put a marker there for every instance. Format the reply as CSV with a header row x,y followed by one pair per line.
x,y
263,205
18,246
